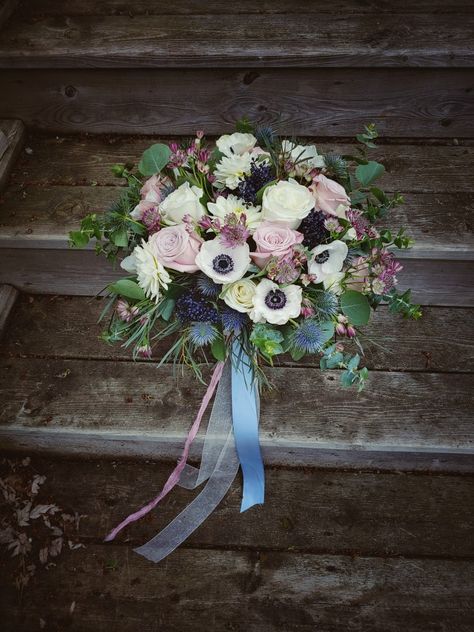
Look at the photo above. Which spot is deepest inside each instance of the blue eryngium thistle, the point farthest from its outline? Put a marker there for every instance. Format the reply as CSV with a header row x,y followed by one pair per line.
x,y
307,337
207,287
325,303
233,321
201,334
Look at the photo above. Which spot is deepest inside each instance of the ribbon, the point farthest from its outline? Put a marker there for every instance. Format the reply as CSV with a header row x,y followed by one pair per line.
x,y
245,415
235,412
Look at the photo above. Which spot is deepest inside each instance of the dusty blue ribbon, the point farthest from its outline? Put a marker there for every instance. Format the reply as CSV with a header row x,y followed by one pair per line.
x,y
245,417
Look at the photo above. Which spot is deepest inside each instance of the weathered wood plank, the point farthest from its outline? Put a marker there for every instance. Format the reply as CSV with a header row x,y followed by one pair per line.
x,y
42,216
13,132
267,592
67,327
397,412
77,160
317,511
82,273
6,9
326,102
201,41
190,7
8,296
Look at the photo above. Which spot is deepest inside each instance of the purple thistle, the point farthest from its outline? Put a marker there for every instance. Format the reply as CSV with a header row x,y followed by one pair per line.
x,y
233,321
191,306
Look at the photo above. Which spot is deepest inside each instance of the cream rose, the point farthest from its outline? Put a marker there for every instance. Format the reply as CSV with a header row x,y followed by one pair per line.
x,y
287,202
176,248
330,196
273,240
184,201
239,295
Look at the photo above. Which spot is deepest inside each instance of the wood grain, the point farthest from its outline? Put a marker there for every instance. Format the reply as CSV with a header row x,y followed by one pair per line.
x,y
42,216
310,510
203,41
326,102
190,7
401,411
6,9
8,296
83,273
194,590
67,327
13,133
77,160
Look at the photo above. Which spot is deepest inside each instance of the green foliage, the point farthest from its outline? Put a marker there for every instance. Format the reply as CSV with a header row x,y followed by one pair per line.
x,y
368,136
336,166
154,159
351,374
356,307
244,126
366,174
267,339
400,302
219,349
127,288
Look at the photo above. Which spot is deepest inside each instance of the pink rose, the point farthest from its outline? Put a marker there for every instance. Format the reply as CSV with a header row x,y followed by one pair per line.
x,y
176,248
151,191
274,240
330,196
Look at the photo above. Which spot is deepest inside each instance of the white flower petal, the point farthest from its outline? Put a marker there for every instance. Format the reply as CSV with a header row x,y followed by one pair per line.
x,y
221,263
262,310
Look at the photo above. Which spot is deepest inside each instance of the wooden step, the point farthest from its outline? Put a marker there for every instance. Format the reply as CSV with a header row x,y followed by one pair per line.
x,y
63,178
404,102
247,40
61,401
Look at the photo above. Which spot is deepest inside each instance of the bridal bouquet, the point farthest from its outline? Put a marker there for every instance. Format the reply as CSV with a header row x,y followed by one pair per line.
x,y
244,251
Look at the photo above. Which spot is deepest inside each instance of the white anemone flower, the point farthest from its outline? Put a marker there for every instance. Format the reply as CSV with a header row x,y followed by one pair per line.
x,y
151,274
274,304
327,259
231,169
221,263
231,204
302,154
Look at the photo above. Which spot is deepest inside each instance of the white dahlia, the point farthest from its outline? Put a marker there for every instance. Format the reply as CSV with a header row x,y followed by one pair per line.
x,y
221,263
274,304
151,274
231,204
231,169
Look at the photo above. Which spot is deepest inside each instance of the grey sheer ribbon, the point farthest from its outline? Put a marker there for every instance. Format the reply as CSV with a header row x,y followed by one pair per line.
x,y
219,467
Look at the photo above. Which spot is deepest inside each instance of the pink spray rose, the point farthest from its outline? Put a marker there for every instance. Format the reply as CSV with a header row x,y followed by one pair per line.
x,y
176,248
151,191
330,196
274,240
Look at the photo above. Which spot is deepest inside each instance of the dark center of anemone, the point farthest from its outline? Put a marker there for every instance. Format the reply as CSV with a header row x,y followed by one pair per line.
x,y
222,264
275,299
322,257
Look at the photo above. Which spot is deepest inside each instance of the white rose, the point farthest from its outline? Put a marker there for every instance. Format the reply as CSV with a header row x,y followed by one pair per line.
x,y
288,202
302,154
239,295
236,144
183,201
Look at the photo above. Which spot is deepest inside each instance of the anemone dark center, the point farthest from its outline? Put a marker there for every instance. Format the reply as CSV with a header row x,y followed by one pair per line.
x,y
275,299
322,257
222,264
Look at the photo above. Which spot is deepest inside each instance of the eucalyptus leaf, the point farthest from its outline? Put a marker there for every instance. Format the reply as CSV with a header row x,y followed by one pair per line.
x,y
127,288
120,237
356,307
154,159
218,349
366,174
327,331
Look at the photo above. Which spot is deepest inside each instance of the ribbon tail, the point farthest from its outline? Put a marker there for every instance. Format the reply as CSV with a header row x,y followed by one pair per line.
x,y
245,416
218,485
176,473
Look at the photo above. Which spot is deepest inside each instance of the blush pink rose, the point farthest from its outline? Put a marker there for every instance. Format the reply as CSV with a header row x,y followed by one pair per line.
x,y
330,196
176,248
151,191
273,240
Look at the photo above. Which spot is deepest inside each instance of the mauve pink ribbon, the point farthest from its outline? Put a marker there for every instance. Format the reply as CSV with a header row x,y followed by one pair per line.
x,y
176,473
